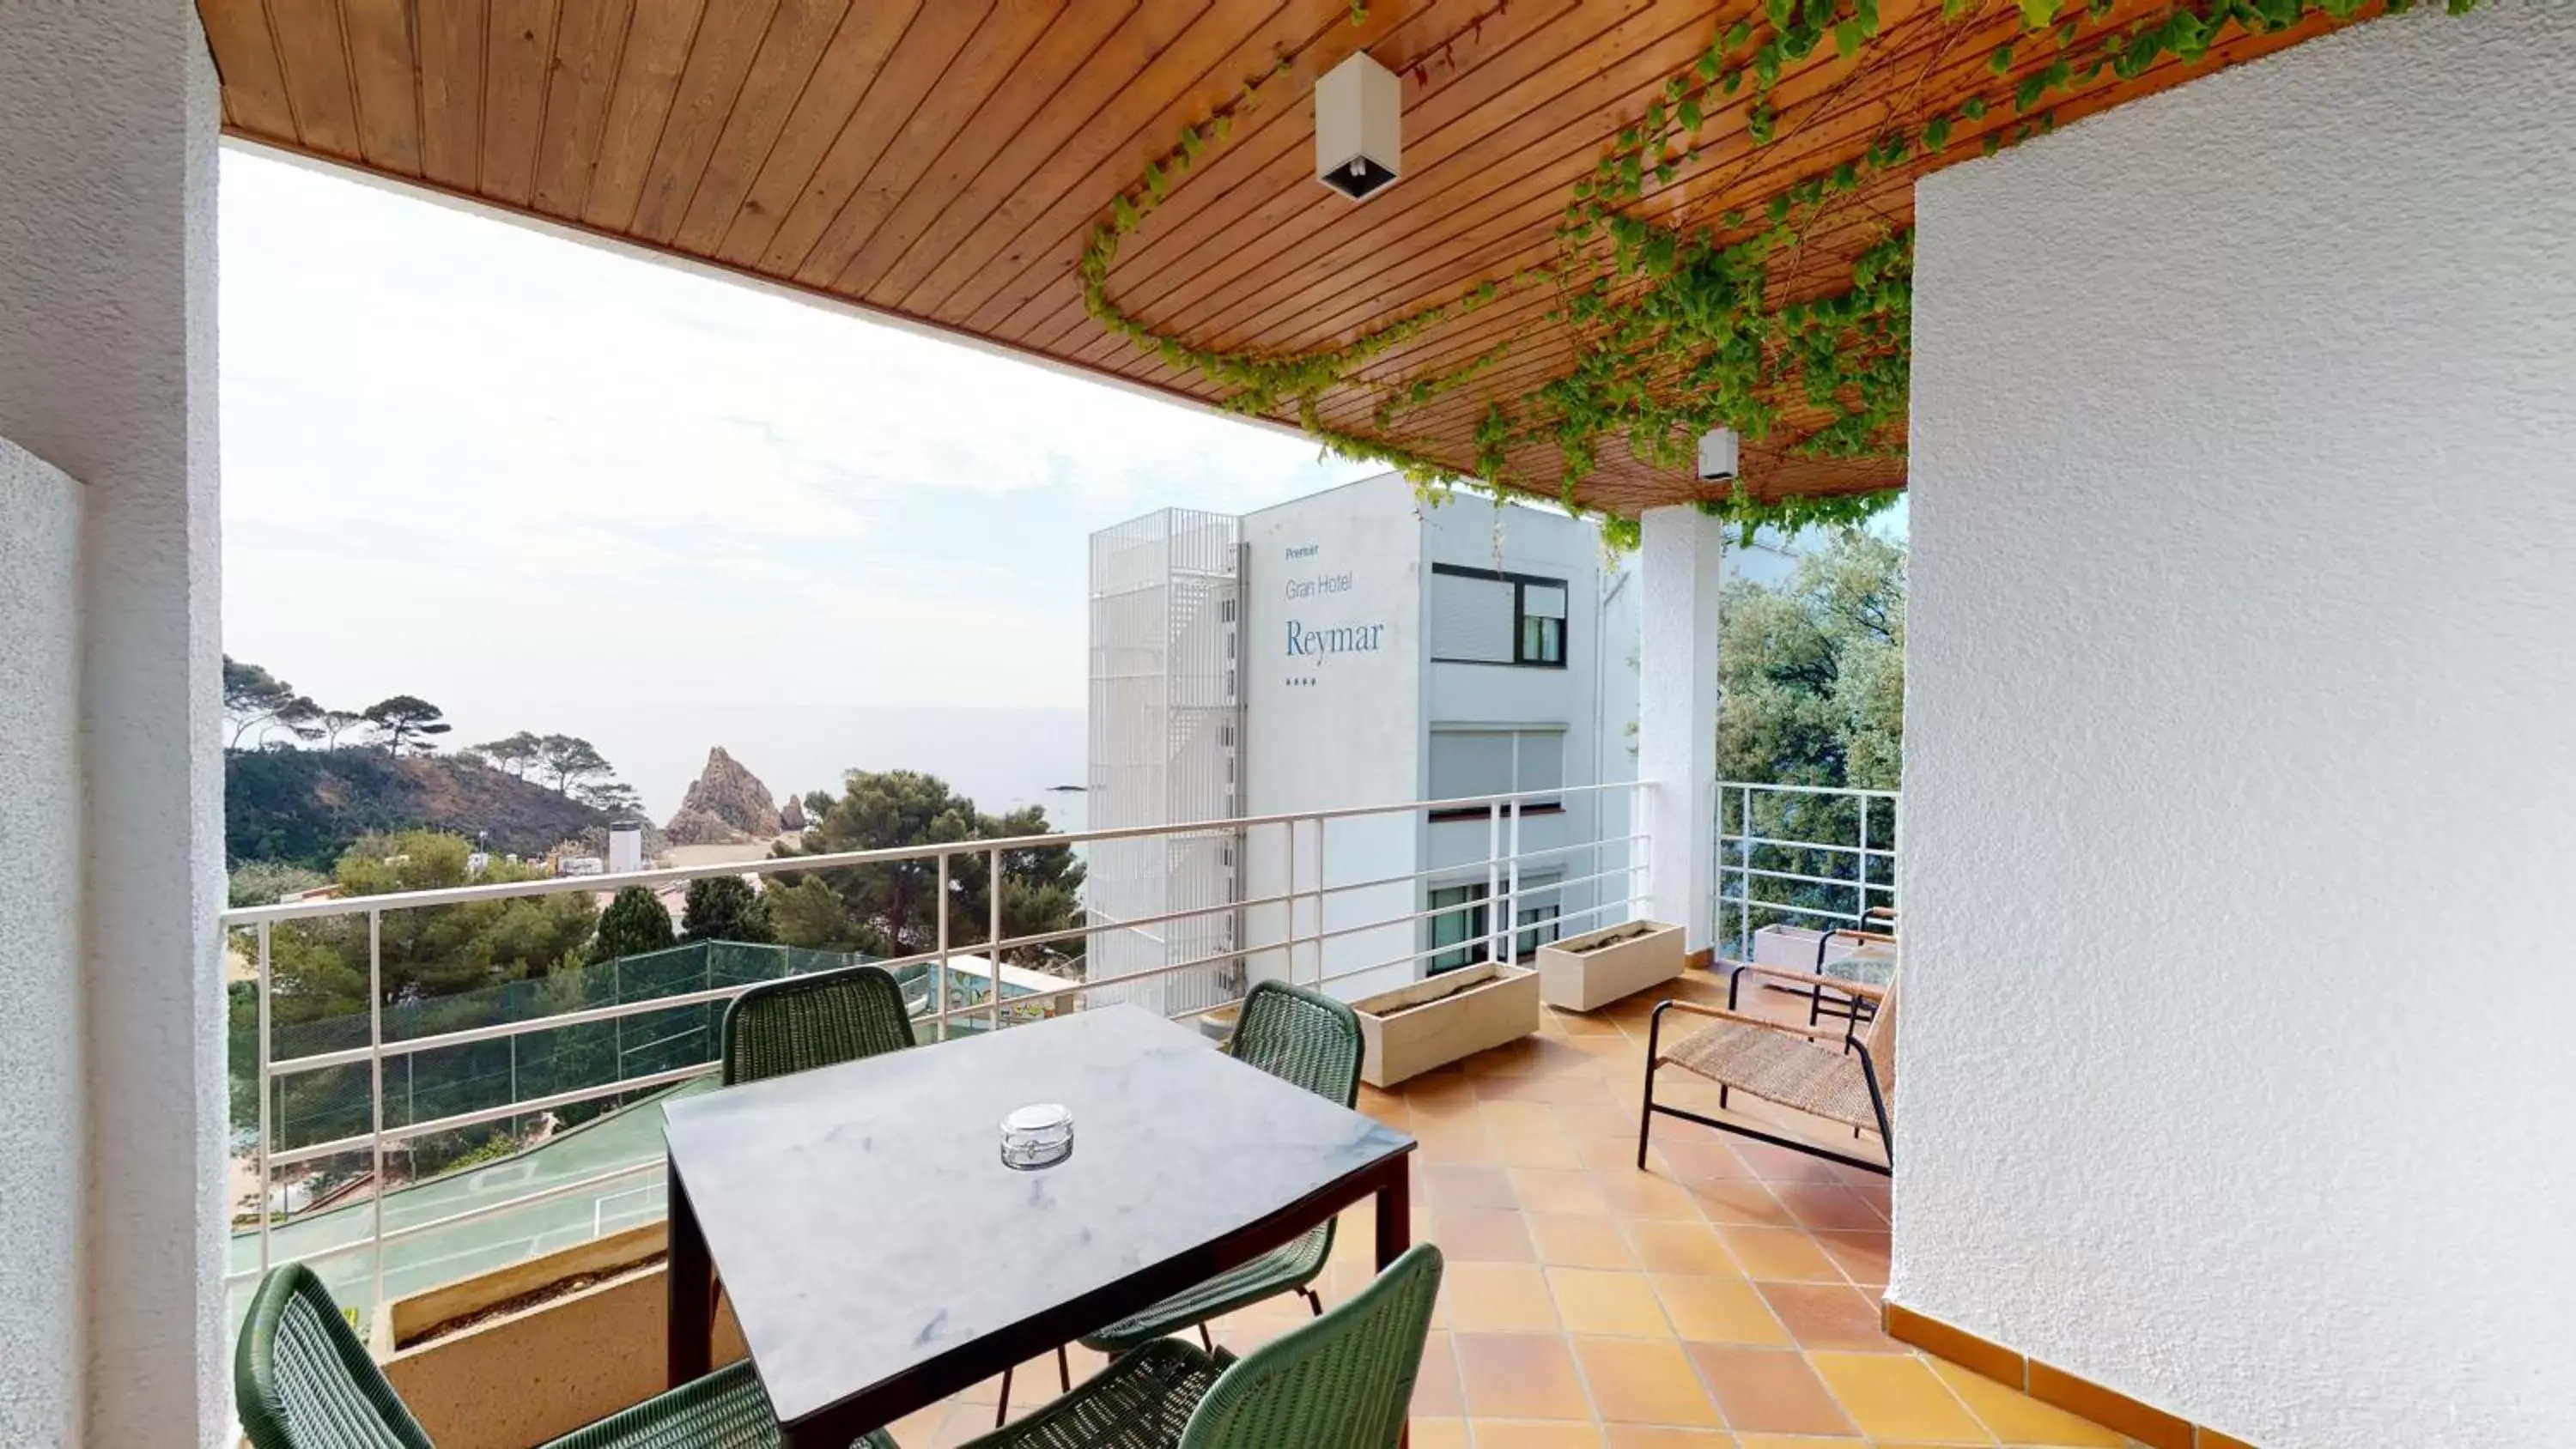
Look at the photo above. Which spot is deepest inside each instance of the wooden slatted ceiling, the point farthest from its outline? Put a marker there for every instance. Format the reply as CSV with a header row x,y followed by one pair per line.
x,y
947,160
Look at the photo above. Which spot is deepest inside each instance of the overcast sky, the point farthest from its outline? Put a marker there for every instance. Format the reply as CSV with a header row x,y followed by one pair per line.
x,y
550,487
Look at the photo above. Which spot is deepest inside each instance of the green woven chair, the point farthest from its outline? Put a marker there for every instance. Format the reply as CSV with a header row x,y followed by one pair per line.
x,y
304,1381
1298,1036
820,1020
1344,1381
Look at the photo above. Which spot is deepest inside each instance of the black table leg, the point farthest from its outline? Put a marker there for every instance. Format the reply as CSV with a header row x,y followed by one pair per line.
x,y
1395,1229
1394,1212
690,1283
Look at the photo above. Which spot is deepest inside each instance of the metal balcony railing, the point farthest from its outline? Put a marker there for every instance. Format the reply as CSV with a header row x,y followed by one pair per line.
x,y
1815,856
1332,898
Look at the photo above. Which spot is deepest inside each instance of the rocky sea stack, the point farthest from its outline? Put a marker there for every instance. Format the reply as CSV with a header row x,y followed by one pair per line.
x,y
725,803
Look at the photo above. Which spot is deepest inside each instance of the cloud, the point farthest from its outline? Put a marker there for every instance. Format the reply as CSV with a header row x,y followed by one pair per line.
x,y
549,486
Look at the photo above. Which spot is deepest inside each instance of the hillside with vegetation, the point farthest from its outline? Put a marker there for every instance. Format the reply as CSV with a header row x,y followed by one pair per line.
x,y
305,807
302,783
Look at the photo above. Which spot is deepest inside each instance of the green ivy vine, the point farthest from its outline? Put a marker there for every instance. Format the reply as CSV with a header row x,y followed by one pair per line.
x,y
1673,330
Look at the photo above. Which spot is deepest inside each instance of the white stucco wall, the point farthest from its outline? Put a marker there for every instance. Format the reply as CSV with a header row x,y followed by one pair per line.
x,y
108,119
40,1065
2242,689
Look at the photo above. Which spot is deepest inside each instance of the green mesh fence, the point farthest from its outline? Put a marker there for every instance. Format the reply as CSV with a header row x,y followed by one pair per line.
x,y
439,1082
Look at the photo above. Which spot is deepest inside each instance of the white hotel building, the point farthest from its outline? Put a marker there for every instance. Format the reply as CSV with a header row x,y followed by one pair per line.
x,y
1355,647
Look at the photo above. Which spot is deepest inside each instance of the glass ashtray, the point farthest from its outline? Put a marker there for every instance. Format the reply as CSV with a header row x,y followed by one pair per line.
x,y
1038,1135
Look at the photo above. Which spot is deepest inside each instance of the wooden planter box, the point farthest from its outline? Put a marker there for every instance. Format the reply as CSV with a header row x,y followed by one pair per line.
x,y
482,1372
1582,973
1435,1022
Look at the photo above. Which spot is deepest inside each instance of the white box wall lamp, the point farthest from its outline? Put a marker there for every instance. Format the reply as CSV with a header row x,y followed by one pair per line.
x,y
1717,456
1359,140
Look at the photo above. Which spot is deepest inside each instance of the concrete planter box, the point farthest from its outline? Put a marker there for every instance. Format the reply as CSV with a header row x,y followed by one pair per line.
x,y
1585,972
1456,1014
1793,948
480,1373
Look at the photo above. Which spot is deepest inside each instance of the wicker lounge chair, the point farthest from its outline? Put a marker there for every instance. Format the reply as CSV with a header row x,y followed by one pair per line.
x,y
1299,1036
820,1020
1871,962
304,1381
1843,1076
1344,1381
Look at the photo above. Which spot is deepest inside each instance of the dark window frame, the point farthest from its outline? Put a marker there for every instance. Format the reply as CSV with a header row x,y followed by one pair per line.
x,y
1521,658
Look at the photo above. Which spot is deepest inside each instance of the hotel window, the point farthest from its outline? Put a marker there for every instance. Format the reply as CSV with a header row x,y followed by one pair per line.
x,y
1462,922
1479,616
1469,762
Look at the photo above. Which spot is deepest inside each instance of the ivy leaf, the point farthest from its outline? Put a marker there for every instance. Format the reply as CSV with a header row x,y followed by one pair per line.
x,y
1781,11
2066,35
1847,38
1731,80
1846,177
1953,9
1974,108
1690,114
2038,13
1221,127
2099,8
1766,64
1731,220
1762,123
1154,180
1778,210
1936,133
1674,87
1122,213
1738,33
1663,173
1655,118
1993,144
1707,65
2033,86
2001,60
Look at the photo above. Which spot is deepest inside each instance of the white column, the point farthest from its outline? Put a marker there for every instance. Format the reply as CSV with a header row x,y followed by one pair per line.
x,y
112,1211
1677,575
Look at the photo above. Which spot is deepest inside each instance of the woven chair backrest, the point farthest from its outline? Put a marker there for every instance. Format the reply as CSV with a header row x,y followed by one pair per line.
x,y
1344,1380
302,1379
821,1020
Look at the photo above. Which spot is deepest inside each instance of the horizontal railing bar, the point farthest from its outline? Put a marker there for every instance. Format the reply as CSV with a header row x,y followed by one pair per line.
x,y
1793,910
1724,839
1822,880
800,864
1457,945
1853,791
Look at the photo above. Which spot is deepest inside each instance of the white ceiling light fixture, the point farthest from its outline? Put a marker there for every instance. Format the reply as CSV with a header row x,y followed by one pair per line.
x,y
1717,456
1359,135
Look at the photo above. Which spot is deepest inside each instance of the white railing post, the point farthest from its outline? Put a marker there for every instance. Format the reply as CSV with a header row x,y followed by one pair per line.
x,y
1512,890
939,972
993,938
1863,862
1744,873
1493,872
260,1145
376,1089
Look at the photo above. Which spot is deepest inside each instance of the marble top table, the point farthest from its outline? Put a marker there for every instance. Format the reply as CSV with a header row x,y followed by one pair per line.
x,y
879,1255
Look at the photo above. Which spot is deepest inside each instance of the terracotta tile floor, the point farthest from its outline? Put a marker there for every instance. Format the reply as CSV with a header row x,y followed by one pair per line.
x,y
1726,1297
